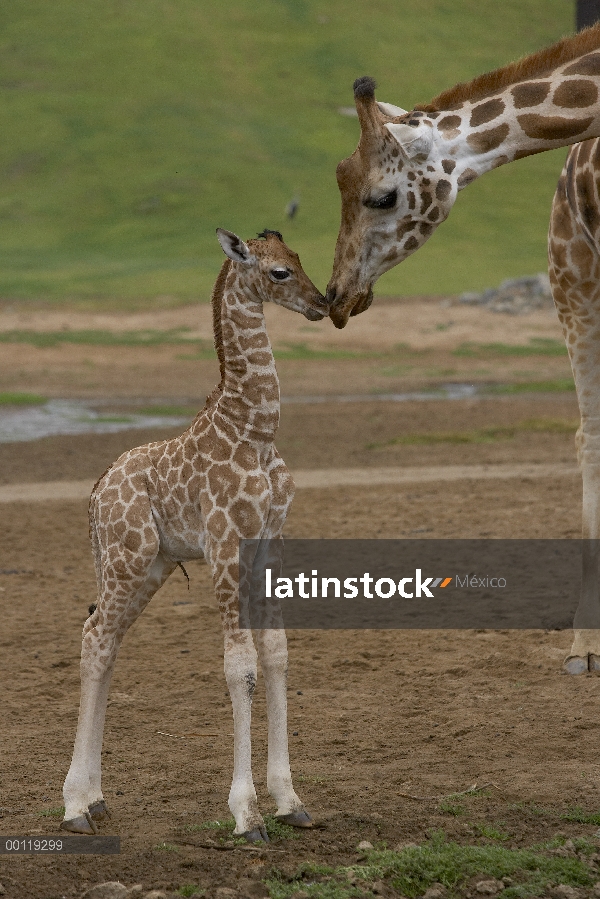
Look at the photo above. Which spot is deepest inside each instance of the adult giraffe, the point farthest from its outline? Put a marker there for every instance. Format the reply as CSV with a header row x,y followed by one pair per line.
x,y
403,179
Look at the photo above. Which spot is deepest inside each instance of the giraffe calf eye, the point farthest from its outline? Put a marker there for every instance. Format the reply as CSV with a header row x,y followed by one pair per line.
x,y
387,201
279,274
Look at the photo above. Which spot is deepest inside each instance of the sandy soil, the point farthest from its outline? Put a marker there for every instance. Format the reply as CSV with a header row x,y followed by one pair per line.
x,y
386,722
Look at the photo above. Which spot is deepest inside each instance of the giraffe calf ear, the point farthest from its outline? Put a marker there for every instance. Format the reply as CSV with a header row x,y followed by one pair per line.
x,y
414,141
233,246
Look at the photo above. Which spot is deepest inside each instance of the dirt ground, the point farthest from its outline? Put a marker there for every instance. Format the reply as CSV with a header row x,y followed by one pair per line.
x,y
385,724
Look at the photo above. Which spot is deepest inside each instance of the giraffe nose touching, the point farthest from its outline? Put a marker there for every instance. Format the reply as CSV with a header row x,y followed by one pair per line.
x,y
319,311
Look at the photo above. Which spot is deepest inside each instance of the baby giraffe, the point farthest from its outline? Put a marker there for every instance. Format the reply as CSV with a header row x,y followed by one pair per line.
x,y
196,496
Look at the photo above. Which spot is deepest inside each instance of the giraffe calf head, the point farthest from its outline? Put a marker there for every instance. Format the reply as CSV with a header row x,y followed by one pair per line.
x,y
273,273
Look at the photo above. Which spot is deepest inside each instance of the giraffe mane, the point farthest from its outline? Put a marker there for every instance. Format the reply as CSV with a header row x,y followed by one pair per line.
x,y
534,66
216,300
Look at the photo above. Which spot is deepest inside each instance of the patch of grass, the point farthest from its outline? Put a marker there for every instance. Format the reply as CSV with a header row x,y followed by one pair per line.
x,y
581,817
224,830
537,346
190,889
412,870
169,411
482,435
491,832
301,352
149,338
114,419
556,385
22,399
58,812
451,807
166,847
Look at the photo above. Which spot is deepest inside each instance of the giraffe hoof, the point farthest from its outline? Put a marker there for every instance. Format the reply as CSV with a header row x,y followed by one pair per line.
x,y
257,835
99,810
593,662
296,819
81,824
576,665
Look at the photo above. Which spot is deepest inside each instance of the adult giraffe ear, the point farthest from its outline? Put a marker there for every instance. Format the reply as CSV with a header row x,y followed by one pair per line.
x,y
414,140
390,110
233,246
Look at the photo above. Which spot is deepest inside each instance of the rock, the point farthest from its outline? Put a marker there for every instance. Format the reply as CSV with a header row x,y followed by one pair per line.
x,y
110,890
564,891
515,296
364,845
569,846
378,887
435,891
596,889
401,846
155,894
136,889
226,893
2,890
489,887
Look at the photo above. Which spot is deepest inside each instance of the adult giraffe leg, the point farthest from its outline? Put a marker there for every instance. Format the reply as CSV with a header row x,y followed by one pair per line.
x,y
574,269
120,601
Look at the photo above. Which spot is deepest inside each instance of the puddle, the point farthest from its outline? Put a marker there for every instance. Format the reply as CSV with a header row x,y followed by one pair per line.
x,y
18,423
442,392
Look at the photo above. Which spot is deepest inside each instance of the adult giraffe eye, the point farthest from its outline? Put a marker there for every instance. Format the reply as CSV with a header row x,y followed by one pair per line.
x,y
387,201
279,274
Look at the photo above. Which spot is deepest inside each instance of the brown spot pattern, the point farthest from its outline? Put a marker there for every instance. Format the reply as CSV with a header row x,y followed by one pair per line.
x,y
575,94
552,127
443,190
485,141
532,93
487,111
587,65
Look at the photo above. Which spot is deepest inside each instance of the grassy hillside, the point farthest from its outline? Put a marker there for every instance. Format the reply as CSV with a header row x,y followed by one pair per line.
x,y
133,128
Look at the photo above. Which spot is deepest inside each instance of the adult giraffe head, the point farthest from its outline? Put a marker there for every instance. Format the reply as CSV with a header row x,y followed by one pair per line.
x,y
403,178
396,188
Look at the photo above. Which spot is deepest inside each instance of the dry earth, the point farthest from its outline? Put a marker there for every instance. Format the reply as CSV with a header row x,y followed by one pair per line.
x,y
385,723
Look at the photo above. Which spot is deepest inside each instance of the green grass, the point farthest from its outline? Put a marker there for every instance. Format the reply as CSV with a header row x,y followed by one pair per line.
x,y
537,346
482,435
412,870
189,889
168,411
138,128
581,817
553,385
150,338
22,399
223,830
53,812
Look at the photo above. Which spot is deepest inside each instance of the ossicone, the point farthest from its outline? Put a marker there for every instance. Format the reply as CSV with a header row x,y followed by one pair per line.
x,y
268,233
364,88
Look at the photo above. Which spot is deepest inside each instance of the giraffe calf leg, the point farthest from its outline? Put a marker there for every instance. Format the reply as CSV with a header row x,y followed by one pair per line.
x,y
240,673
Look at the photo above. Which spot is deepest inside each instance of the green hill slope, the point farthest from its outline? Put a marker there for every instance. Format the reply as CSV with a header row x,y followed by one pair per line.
x,y
131,129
